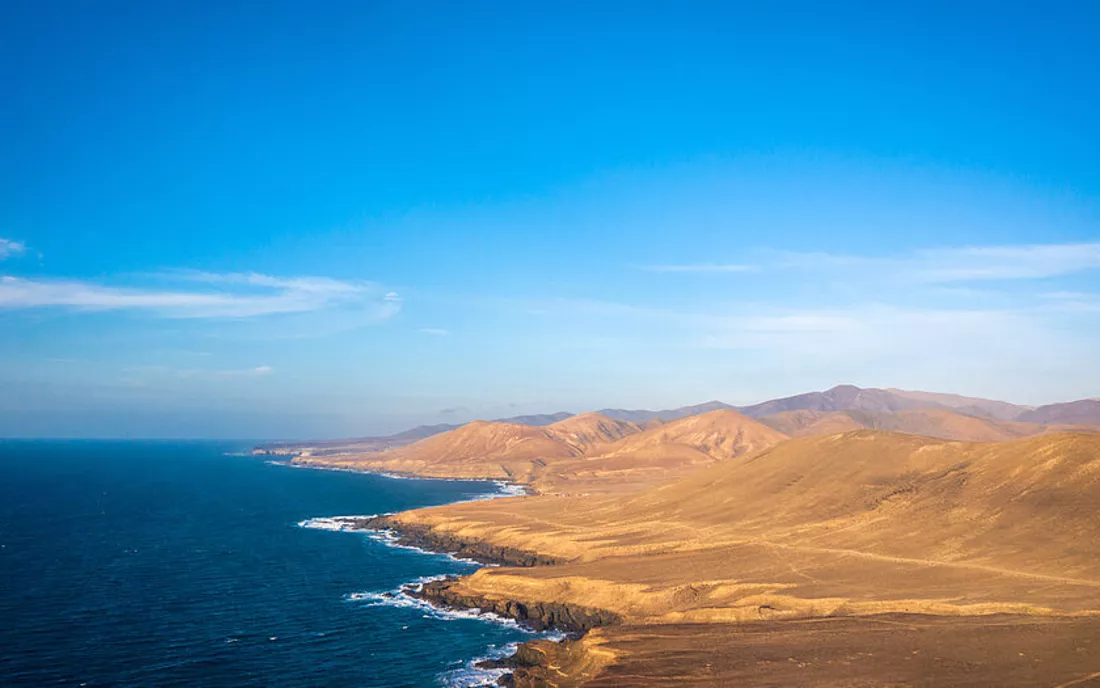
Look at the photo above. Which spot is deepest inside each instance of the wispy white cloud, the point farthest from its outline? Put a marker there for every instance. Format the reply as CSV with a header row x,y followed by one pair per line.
x,y
232,295
702,267
958,264
1006,262
436,331
313,285
1067,295
865,330
145,374
1007,352
571,306
250,372
857,336
9,248
1073,301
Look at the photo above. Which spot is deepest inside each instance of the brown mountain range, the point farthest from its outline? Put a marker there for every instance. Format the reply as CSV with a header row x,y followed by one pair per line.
x,y
843,398
1083,412
660,453
933,422
505,451
852,398
593,453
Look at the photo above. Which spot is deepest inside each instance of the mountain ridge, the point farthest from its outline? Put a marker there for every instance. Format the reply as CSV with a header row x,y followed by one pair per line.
x,y
841,398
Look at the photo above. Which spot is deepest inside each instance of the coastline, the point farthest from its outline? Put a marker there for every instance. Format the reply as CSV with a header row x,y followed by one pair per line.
x,y
707,580
506,488
559,624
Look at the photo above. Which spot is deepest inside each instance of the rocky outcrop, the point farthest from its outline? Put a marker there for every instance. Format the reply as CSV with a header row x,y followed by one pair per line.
x,y
530,665
540,616
261,451
543,663
424,537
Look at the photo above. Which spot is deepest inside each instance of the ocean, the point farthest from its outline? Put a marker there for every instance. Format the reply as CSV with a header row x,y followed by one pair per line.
x,y
182,564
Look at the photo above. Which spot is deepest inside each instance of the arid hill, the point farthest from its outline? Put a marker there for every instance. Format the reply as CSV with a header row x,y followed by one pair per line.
x,y
933,422
505,451
865,524
581,453
643,415
852,398
720,434
660,454
803,422
1083,412
361,445
480,449
798,415
971,406
589,431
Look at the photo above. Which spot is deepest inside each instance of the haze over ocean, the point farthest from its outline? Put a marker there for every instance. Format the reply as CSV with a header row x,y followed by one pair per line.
x,y
173,564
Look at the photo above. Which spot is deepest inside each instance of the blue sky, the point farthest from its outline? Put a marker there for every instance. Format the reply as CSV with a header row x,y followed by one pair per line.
x,y
273,219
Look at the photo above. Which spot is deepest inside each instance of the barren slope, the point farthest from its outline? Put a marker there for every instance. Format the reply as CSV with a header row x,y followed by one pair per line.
x,y
897,650
590,431
476,450
660,454
861,523
1083,412
490,449
852,398
931,422
971,406
802,423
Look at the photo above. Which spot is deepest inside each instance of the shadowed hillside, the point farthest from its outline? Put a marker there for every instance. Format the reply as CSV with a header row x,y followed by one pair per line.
x,y
643,416
933,422
661,453
1083,412
971,406
589,431
481,449
589,451
852,398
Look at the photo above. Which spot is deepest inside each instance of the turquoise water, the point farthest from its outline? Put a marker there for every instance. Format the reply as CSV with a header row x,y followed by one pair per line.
x,y
175,564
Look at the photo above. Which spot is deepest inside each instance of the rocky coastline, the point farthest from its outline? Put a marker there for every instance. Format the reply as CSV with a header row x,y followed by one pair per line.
x,y
531,664
540,616
423,537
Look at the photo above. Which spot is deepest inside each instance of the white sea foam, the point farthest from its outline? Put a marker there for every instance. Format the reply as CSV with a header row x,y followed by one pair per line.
x,y
504,488
400,598
335,523
472,676
469,675
391,538
387,537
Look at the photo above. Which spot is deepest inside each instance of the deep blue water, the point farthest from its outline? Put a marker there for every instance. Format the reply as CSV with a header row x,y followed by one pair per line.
x,y
173,564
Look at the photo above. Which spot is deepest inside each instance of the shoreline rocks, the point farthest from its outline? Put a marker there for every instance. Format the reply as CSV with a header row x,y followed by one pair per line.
x,y
540,616
423,537
530,665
